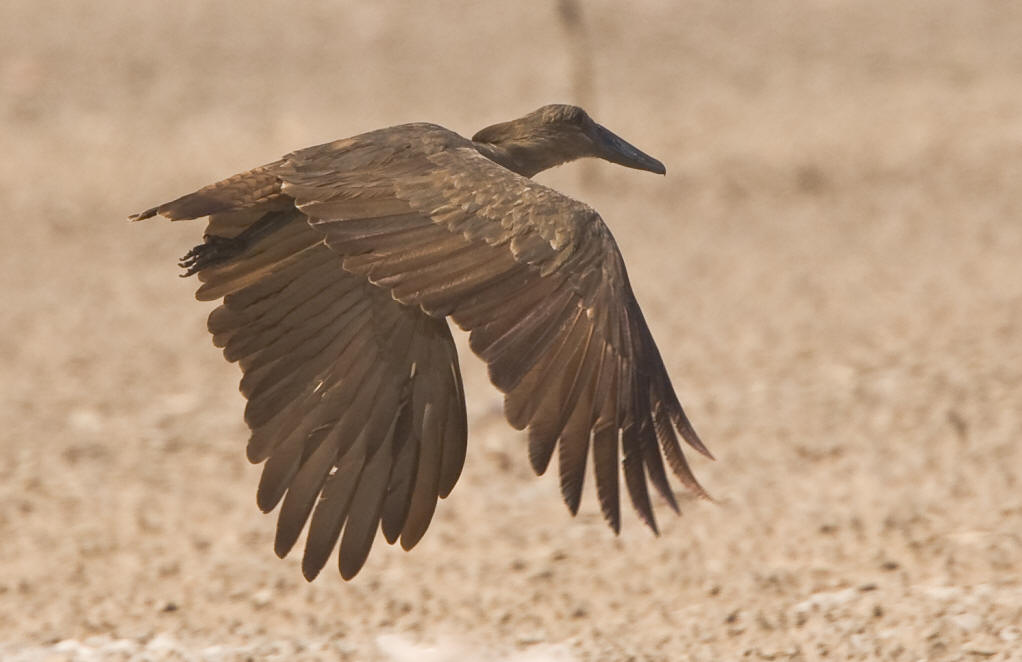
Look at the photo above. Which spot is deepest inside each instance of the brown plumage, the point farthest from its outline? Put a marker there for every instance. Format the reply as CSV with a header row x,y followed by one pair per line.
x,y
338,266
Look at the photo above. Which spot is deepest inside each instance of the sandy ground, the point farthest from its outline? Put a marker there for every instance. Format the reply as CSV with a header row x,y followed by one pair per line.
x,y
832,268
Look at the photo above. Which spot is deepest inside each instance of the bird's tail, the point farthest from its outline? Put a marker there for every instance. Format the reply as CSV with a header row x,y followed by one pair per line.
x,y
259,187
254,229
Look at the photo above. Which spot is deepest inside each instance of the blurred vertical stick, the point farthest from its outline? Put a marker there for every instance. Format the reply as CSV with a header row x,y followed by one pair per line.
x,y
582,79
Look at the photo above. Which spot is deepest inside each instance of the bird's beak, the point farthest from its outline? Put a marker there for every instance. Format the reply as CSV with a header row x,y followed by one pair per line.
x,y
614,149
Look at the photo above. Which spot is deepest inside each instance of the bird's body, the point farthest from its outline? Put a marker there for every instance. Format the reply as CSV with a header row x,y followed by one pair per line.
x,y
339,265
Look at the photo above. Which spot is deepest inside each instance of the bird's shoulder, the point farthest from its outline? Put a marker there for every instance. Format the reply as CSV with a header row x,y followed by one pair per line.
x,y
377,147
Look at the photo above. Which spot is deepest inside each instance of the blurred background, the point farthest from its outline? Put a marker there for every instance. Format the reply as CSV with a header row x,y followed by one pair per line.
x,y
832,269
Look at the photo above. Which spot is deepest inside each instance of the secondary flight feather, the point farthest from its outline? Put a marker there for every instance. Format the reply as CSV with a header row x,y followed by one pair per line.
x,y
339,266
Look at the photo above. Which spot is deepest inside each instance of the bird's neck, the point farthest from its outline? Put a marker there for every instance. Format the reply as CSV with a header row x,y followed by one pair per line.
x,y
527,157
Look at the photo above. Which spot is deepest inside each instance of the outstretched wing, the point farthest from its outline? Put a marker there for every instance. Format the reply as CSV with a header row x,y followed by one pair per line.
x,y
535,276
355,401
351,374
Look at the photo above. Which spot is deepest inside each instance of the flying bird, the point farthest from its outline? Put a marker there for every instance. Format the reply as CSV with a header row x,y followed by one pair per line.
x,y
339,266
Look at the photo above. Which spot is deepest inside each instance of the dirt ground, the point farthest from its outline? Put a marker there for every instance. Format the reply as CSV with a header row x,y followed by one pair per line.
x,y
832,268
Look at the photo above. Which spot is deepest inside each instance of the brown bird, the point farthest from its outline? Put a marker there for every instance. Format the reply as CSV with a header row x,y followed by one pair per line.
x,y
339,265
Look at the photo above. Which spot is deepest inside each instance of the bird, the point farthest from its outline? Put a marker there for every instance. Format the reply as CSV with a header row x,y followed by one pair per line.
x,y
339,267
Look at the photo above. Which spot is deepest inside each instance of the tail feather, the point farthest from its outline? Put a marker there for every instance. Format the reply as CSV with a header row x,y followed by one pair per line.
x,y
259,187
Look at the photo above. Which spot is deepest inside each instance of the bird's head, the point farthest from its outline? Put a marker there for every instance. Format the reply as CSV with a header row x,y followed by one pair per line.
x,y
557,134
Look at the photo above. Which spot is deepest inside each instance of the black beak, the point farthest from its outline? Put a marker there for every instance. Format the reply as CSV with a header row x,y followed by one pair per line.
x,y
612,148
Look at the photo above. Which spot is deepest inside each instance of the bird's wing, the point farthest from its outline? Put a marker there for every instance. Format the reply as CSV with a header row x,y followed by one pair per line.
x,y
534,275
355,401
